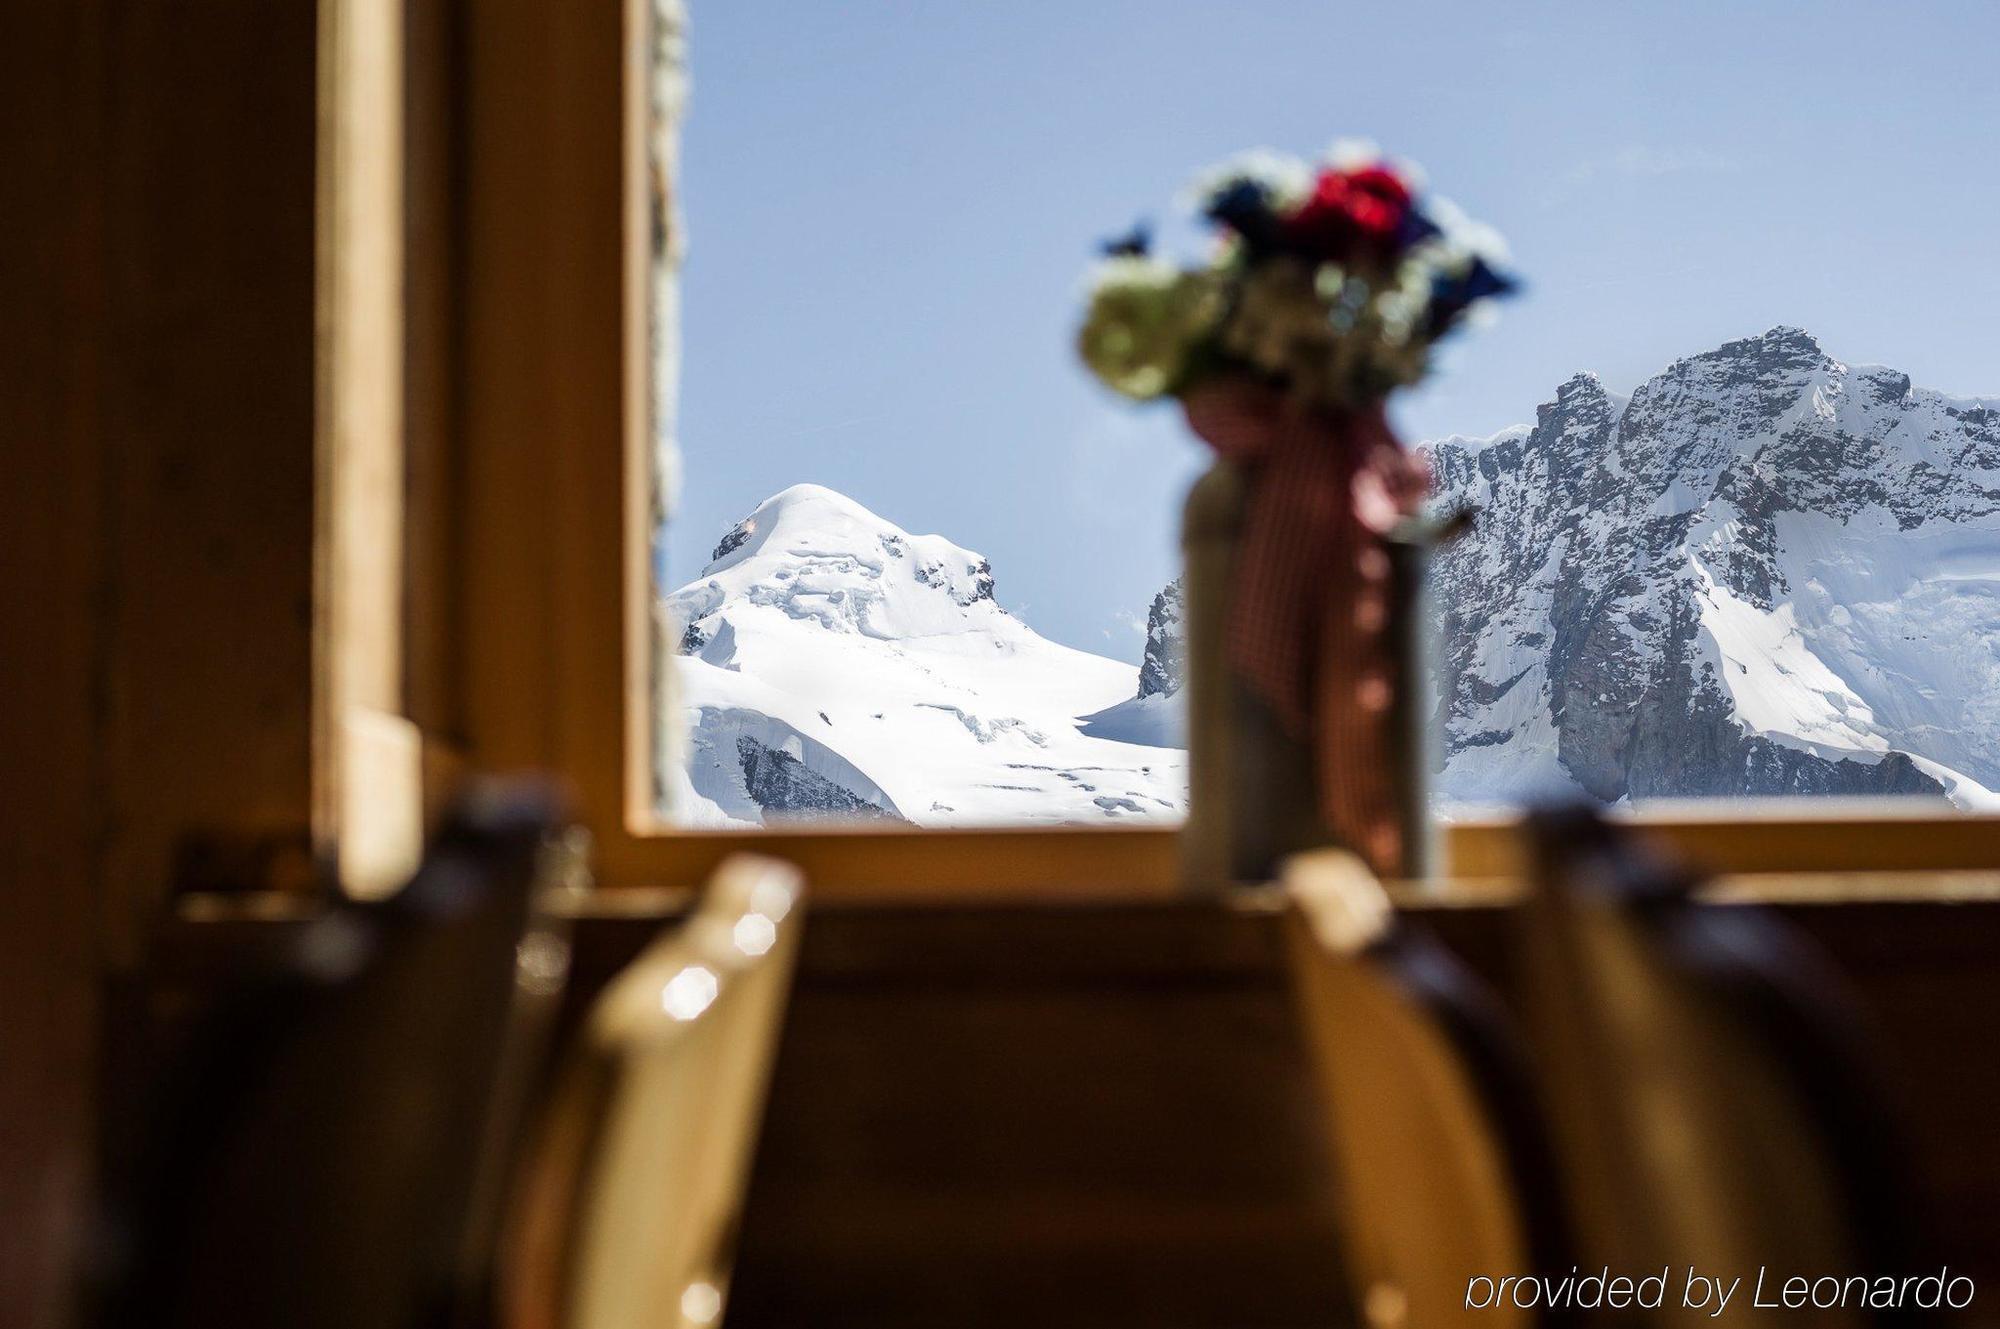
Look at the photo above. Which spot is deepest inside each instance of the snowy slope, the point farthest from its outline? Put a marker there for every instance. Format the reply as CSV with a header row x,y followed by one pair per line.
x,y
834,665
1765,572
1157,713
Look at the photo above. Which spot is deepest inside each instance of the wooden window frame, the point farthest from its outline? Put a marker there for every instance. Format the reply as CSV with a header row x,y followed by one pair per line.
x,y
368,751
557,600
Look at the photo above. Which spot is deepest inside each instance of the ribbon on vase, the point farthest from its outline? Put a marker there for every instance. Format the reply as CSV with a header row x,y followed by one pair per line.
x,y
1309,625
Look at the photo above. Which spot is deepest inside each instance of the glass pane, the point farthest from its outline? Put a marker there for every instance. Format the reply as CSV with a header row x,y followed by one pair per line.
x,y
923,568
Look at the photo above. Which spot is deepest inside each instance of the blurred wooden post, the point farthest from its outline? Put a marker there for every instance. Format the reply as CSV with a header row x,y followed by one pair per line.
x,y
367,754
1250,784
1209,524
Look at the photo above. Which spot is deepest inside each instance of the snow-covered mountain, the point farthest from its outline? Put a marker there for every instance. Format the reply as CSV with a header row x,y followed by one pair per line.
x,y
833,665
1766,572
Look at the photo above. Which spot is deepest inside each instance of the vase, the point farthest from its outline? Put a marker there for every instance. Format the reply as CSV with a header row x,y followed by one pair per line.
x,y
1251,789
1254,795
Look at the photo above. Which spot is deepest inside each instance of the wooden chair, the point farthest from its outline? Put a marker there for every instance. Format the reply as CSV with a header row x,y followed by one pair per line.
x,y
627,1214
1711,1082
1443,1163
325,1146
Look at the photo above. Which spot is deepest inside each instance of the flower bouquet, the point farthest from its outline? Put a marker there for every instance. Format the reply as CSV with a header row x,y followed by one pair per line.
x,y
1326,291
1330,287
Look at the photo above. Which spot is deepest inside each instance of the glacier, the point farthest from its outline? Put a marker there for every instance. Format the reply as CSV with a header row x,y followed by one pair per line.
x,y
1764,572
834,665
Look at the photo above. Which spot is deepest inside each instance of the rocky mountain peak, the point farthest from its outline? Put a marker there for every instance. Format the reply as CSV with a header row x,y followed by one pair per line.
x,y
1580,399
1582,385
817,555
1698,589
1164,667
1781,340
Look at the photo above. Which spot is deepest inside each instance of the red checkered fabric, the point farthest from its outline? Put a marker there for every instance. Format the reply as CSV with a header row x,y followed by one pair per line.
x,y
1309,625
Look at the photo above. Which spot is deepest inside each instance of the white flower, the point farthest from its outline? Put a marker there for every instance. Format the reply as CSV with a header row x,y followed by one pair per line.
x,y
1133,272
1284,177
1463,233
1413,174
1481,314
1349,154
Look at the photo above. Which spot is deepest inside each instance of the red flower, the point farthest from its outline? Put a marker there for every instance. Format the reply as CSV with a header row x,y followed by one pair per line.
x,y
1352,214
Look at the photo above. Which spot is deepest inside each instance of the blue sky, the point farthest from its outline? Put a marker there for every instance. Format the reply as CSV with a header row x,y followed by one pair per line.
x,y
891,207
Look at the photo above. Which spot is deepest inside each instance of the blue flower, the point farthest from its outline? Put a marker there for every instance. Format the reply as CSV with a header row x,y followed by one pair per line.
x,y
1245,207
1415,228
1452,293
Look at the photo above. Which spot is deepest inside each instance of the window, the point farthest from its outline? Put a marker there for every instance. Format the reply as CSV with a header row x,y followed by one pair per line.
x,y
1718,553
561,639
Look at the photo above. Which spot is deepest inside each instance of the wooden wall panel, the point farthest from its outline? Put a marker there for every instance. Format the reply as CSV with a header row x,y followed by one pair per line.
x,y
1067,1117
1100,1114
206,430
156,426
51,289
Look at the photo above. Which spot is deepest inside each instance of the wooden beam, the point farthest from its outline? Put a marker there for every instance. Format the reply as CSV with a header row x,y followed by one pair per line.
x,y
549,308
1772,835
368,767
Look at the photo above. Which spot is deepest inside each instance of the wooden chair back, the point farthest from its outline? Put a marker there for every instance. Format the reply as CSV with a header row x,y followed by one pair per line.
x,y
1711,1082
1443,1163
323,1148
628,1212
